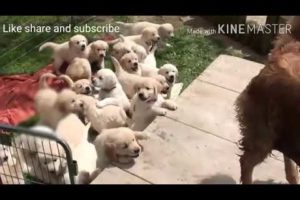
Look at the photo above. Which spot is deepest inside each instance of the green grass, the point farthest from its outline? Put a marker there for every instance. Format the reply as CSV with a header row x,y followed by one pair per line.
x,y
190,53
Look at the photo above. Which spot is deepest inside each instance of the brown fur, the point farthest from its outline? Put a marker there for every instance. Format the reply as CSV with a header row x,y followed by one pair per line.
x,y
268,111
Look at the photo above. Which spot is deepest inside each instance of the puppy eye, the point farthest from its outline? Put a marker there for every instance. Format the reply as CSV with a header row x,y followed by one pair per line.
x,y
167,72
45,162
129,61
77,42
98,49
128,51
147,88
125,146
100,78
80,86
73,101
153,34
54,159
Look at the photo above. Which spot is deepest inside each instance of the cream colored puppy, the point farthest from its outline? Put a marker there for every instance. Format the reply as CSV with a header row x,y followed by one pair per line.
x,y
165,30
51,105
130,63
45,159
147,104
117,146
126,46
128,81
111,92
147,38
97,52
170,72
81,86
67,51
79,68
107,117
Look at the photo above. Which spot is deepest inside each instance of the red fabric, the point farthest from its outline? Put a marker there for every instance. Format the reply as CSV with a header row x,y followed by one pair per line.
x,y
17,95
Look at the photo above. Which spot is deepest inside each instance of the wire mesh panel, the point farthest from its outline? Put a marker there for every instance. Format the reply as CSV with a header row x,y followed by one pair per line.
x,y
34,157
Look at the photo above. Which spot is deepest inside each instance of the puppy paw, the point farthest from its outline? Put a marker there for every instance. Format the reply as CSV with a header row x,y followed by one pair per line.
x,y
163,113
173,106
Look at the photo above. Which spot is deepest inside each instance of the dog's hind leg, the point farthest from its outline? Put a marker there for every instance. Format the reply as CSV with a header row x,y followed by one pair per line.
x,y
291,170
248,161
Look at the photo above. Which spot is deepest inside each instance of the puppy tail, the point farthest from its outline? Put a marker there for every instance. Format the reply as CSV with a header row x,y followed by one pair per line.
x,y
112,42
117,65
43,80
51,45
67,79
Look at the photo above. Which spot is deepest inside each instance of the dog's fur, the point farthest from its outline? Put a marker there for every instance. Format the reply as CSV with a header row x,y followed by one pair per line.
x,y
97,52
117,146
165,30
45,159
79,68
147,38
147,104
123,46
109,116
51,105
81,86
111,92
129,81
130,63
67,51
268,113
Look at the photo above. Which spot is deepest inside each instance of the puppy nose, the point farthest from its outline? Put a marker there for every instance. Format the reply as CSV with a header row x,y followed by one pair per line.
x,y
167,88
158,38
101,55
135,64
141,95
81,105
88,89
83,45
137,151
93,81
172,76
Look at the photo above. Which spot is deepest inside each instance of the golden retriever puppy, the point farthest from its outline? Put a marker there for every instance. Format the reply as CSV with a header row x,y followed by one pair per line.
x,y
10,169
79,68
117,146
147,38
97,52
67,51
130,63
170,72
165,30
81,86
119,49
109,116
111,92
51,105
45,159
147,104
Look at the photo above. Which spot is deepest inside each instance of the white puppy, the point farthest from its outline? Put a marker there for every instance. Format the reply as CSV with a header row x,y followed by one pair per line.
x,y
107,117
51,105
111,92
170,72
147,104
165,30
67,51
117,146
147,38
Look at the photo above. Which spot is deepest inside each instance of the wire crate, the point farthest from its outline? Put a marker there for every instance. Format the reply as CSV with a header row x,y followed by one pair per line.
x,y
34,157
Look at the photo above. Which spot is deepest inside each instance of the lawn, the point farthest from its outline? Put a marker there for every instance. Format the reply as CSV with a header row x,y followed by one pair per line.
x,y
19,51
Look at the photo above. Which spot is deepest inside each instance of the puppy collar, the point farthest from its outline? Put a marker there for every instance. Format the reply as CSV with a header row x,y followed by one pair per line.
x,y
108,89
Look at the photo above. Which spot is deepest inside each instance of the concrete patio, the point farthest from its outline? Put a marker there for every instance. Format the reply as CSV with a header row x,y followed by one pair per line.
x,y
197,144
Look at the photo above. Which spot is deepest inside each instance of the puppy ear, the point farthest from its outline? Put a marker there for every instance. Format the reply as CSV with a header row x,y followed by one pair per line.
x,y
110,151
139,135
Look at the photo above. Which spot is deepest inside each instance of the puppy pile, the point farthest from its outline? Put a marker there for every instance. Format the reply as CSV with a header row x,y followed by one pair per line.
x,y
117,104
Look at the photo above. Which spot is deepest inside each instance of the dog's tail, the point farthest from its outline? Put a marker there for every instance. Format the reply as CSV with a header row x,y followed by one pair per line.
x,y
123,24
66,78
117,65
46,45
43,80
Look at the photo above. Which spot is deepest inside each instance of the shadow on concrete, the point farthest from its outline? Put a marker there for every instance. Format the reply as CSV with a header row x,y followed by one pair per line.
x,y
219,179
